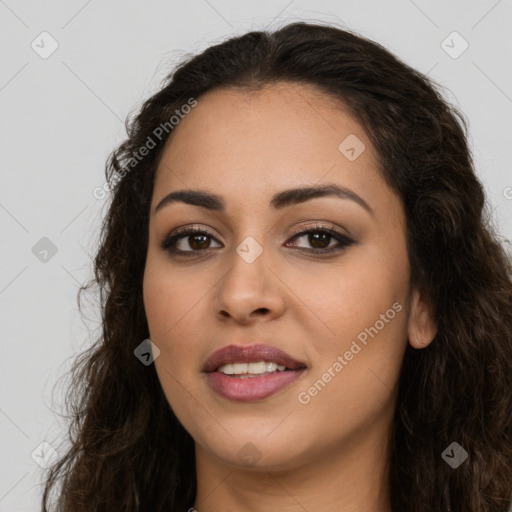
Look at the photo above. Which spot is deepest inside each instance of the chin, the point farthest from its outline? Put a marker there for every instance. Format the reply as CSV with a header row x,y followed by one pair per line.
x,y
257,455
256,448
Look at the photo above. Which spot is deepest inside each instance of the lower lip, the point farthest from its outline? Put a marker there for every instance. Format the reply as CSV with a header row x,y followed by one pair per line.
x,y
251,389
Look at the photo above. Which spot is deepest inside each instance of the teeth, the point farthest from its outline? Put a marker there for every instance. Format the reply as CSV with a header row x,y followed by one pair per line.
x,y
251,368
270,367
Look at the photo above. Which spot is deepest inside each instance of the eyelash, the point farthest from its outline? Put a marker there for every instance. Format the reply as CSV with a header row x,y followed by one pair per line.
x,y
169,243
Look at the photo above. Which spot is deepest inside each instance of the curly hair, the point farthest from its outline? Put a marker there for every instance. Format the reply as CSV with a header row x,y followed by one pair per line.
x,y
128,451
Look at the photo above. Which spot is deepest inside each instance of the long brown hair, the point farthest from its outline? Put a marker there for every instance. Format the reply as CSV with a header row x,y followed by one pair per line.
x,y
128,451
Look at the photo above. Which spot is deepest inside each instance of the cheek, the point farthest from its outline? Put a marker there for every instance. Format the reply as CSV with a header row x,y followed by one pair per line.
x,y
173,304
170,301
173,311
172,314
353,295
364,306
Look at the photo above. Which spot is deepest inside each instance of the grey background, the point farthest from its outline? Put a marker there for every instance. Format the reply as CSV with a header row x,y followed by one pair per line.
x,y
62,115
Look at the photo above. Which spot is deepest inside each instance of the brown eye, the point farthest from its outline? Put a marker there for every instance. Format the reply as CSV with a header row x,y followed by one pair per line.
x,y
188,241
198,241
319,240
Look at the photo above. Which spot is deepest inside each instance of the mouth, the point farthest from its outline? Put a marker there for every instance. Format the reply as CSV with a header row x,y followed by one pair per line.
x,y
251,372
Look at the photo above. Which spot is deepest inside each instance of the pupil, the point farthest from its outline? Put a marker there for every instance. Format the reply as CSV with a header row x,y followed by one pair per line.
x,y
314,238
200,245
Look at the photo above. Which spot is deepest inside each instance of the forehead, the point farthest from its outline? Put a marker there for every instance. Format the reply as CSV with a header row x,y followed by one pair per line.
x,y
280,136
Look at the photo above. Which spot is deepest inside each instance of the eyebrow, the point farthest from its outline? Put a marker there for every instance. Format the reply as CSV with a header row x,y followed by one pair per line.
x,y
279,200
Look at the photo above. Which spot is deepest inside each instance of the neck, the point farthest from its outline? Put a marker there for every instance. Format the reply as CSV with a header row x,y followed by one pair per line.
x,y
347,478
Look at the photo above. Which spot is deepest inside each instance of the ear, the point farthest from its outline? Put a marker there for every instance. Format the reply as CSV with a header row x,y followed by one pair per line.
x,y
421,327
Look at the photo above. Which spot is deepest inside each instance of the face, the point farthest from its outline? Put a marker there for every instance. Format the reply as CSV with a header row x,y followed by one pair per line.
x,y
337,300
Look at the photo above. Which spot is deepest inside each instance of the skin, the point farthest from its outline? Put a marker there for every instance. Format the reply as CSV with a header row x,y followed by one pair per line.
x,y
329,454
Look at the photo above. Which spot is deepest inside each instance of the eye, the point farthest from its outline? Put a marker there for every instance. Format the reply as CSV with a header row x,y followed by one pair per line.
x,y
194,238
190,240
320,236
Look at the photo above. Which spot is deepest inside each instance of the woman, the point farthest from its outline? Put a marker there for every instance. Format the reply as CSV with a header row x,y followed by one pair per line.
x,y
305,307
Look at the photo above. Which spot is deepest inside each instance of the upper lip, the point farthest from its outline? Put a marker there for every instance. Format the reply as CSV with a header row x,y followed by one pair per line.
x,y
250,354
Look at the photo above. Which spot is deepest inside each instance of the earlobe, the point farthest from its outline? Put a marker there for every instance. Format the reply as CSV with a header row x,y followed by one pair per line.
x,y
421,328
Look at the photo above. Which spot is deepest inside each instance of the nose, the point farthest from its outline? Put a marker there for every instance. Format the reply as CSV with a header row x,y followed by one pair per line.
x,y
249,291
